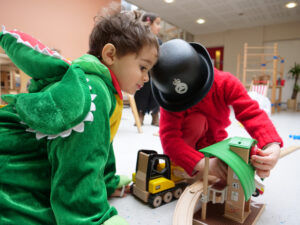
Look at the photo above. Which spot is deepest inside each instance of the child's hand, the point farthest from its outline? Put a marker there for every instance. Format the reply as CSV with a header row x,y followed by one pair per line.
x,y
121,192
216,168
266,160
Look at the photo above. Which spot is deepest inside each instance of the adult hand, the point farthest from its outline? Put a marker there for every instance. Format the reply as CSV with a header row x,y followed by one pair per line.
x,y
266,159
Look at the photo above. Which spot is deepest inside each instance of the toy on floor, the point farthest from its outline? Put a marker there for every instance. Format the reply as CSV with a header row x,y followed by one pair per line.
x,y
230,203
295,137
154,181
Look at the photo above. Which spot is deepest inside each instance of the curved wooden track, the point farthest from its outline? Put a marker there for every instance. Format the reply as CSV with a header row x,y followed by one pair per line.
x,y
184,211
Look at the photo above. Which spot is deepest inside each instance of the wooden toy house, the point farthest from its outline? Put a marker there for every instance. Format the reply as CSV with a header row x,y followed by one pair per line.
x,y
230,203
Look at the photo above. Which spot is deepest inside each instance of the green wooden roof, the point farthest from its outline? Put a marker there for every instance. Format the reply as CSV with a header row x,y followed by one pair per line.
x,y
241,142
244,171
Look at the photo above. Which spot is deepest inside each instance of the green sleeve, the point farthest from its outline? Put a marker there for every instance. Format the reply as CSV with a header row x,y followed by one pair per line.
x,y
78,189
111,179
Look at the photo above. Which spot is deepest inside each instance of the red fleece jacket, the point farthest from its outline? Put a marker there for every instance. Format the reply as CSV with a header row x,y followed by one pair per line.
x,y
226,91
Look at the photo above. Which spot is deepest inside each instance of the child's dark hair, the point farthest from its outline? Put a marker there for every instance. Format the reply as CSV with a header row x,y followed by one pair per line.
x,y
125,31
149,17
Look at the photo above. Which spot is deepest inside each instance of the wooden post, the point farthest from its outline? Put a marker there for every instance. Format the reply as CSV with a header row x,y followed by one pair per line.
x,y
238,63
288,150
24,78
263,65
135,113
205,186
274,85
11,78
281,70
245,63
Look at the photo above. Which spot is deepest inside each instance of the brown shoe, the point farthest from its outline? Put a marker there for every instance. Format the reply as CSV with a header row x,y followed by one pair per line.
x,y
141,117
155,119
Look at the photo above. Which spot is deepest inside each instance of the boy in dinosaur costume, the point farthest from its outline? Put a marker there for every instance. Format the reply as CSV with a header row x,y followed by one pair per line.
x,y
57,163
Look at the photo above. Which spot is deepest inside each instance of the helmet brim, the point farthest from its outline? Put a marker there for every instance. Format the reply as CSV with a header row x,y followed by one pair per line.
x,y
175,105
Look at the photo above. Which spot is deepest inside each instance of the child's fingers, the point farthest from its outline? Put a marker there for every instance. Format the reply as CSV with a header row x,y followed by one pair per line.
x,y
127,189
121,192
269,160
266,160
263,152
223,175
260,164
181,174
263,173
222,170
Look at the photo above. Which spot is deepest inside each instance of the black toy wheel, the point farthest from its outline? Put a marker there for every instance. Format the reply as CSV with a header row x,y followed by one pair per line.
x,y
156,201
168,197
177,193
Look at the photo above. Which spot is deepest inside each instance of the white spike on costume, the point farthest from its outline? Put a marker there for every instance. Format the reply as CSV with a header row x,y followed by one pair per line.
x,y
27,44
93,107
89,117
14,35
19,40
45,52
56,55
79,128
50,137
3,29
39,135
66,133
30,130
36,47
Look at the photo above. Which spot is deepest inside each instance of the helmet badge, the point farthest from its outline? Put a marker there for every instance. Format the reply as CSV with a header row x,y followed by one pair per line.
x,y
180,87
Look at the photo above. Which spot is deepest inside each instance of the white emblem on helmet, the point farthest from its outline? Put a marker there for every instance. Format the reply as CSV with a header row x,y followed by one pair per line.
x,y
180,87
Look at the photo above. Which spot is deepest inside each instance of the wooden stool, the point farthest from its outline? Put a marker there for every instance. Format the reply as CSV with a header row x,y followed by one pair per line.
x,y
134,112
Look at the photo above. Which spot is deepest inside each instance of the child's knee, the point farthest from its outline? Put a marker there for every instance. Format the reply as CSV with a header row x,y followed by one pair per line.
x,y
194,128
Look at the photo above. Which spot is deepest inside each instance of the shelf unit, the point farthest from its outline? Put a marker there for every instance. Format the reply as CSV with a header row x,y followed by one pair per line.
x,y
259,61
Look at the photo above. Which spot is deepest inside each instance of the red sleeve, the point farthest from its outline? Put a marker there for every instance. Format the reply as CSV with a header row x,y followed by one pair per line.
x,y
247,111
172,142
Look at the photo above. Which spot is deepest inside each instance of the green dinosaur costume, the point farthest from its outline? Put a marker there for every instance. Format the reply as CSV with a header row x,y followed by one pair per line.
x,y
57,164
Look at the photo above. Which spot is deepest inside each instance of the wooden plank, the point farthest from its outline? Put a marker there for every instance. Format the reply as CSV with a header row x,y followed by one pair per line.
x,y
245,64
288,150
215,215
260,47
205,187
274,78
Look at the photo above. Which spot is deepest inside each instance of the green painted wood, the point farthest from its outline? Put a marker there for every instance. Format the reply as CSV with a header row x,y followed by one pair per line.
x,y
244,171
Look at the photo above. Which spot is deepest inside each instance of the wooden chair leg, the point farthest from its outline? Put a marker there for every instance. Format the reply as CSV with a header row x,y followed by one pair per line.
x,y
135,112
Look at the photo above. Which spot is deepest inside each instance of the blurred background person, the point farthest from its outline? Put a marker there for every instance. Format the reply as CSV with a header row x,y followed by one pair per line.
x,y
144,99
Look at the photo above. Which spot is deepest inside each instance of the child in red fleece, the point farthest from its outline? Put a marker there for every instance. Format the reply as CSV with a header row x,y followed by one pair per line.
x,y
195,100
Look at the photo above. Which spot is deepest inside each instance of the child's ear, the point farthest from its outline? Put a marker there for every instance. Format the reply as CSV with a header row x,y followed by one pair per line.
x,y
109,53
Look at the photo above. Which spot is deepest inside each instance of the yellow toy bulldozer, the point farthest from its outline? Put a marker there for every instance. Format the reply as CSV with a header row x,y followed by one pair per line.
x,y
153,181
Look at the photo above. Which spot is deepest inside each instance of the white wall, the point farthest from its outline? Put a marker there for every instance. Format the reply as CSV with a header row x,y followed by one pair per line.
x,y
63,25
286,35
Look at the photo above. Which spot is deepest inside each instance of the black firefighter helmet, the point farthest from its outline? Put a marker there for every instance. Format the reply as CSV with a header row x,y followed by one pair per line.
x,y
182,76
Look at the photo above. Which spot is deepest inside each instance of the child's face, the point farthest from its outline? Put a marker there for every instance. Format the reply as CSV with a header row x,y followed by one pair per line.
x,y
132,70
155,26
